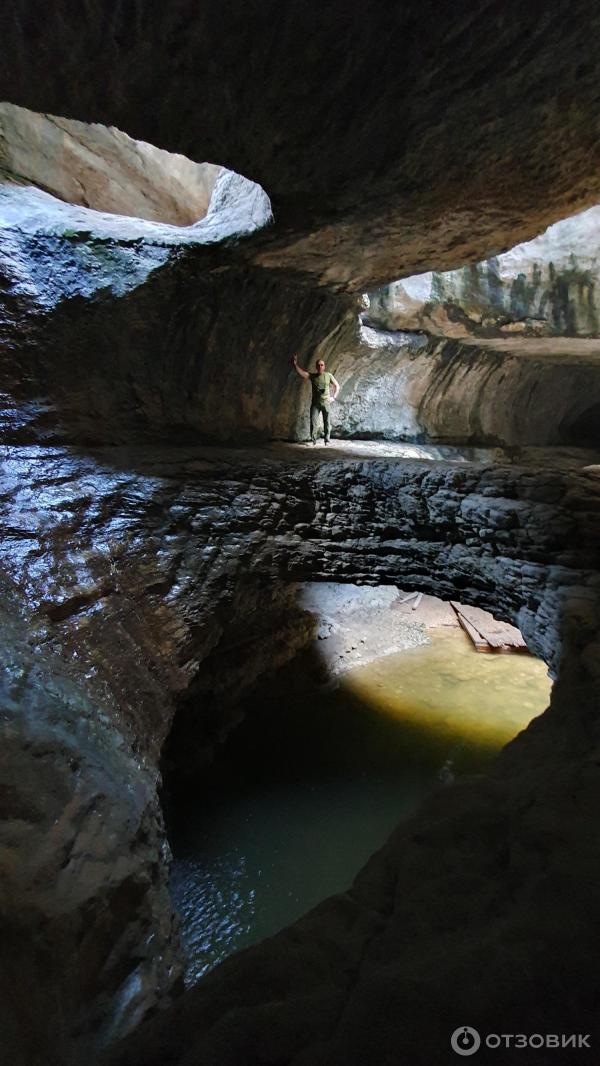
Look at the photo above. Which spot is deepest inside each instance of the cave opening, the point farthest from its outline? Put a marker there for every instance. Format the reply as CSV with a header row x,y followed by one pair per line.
x,y
496,353
583,430
86,182
385,701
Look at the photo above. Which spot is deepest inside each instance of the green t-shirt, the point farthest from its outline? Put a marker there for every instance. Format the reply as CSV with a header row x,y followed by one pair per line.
x,y
320,387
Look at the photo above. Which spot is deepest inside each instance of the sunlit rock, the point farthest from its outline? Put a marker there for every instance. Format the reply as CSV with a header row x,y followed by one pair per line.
x,y
397,142
546,287
87,212
504,391
102,168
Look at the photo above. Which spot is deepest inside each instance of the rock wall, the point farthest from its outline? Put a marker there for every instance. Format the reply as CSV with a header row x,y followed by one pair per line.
x,y
125,568
405,386
545,287
492,878
110,338
184,348
89,940
132,566
179,351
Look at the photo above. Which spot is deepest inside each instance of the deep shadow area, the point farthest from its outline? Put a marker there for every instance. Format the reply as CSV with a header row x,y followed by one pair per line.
x,y
316,777
584,431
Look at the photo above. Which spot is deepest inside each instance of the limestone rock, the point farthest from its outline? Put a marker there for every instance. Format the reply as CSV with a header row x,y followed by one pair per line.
x,y
102,168
481,391
135,572
134,560
443,145
545,287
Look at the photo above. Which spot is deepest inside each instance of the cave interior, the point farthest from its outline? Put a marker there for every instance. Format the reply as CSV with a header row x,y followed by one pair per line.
x,y
189,197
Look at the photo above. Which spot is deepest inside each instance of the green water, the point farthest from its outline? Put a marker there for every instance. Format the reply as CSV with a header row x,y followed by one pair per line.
x,y
309,787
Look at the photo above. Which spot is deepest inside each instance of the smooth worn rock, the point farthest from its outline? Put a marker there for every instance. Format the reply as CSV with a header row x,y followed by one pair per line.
x,y
102,168
390,142
515,392
184,351
185,348
144,572
148,585
545,287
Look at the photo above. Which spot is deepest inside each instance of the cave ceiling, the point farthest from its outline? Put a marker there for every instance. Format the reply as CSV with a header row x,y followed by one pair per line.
x,y
391,138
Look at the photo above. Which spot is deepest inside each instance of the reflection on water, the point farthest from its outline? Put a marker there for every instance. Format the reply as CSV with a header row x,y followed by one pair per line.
x,y
309,786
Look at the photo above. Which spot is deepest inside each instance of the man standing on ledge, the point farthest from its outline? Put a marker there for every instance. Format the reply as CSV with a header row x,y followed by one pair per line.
x,y
321,382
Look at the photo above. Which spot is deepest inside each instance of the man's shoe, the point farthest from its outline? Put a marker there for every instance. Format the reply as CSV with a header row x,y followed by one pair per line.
x,y
325,442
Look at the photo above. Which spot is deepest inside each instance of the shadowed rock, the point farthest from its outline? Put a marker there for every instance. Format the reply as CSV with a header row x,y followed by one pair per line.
x,y
390,141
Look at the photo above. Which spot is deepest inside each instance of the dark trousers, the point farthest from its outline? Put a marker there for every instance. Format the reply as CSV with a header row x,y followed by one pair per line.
x,y
317,409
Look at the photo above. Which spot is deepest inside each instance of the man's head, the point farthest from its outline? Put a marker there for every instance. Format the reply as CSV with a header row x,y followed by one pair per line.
x,y
320,365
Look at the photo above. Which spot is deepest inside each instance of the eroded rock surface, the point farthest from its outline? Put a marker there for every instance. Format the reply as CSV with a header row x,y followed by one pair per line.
x,y
102,168
88,936
383,972
134,566
545,287
517,392
184,350
445,137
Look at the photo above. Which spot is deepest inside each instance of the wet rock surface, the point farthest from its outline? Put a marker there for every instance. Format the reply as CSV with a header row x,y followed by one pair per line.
x,y
135,575
134,566
89,944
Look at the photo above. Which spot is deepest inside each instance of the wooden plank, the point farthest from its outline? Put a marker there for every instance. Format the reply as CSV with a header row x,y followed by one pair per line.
x,y
411,596
479,642
417,601
486,632
498,634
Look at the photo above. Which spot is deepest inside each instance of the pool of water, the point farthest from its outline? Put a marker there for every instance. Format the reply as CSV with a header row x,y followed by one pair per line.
x,y
309,786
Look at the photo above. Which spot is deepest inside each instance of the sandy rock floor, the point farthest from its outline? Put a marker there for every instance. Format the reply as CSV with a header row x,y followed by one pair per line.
x,y
358,624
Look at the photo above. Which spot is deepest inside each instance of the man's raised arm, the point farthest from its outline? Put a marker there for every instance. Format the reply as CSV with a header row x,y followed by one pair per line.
x,y
298,369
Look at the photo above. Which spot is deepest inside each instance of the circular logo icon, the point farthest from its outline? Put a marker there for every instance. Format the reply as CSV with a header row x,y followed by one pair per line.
x,y
465,1040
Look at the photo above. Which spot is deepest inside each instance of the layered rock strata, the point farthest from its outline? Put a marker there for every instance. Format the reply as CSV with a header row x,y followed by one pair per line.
x,y
515,392
188,345
185,349
133,565
448,136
